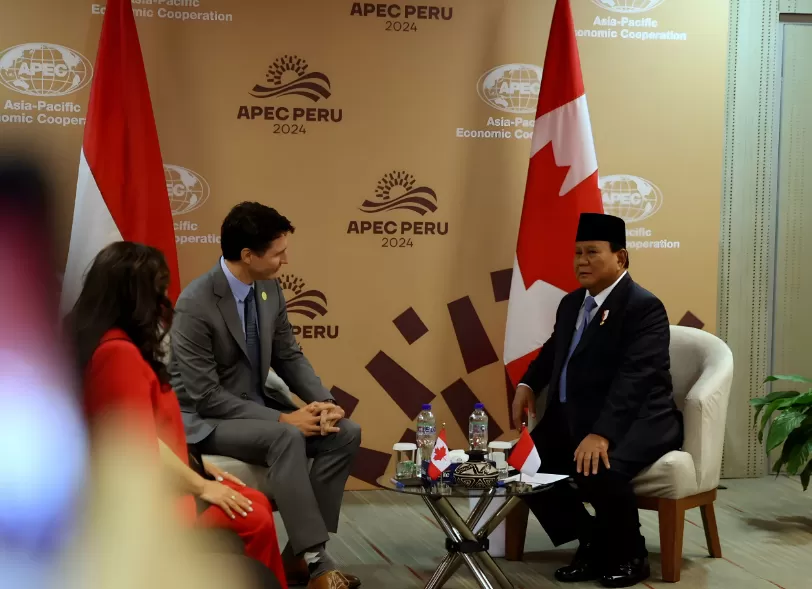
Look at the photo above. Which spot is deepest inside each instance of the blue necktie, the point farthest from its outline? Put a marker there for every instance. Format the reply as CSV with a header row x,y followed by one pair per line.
x,y
252,344
589,306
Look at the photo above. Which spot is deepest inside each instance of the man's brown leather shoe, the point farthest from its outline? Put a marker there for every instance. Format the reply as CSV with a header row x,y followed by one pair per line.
x,y
297,574
329,580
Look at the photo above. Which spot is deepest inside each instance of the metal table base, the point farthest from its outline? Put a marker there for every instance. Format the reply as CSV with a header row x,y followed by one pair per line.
x,y
464,545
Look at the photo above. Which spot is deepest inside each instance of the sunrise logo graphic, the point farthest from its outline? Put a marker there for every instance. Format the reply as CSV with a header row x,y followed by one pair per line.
x,y
396,191
288,75
299,301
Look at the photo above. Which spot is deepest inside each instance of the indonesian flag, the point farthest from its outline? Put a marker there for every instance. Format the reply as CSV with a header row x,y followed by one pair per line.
x,y
562,183
121,191
524,456
439,457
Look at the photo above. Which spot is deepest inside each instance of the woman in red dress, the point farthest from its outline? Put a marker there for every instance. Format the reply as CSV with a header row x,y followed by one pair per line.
x,y
119,324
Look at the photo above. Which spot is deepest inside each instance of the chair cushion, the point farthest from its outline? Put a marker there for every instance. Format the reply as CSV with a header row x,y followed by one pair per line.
x,y
672,477
251,474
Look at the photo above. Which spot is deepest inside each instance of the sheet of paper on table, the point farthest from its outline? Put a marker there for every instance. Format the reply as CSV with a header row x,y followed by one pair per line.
x,y
540,478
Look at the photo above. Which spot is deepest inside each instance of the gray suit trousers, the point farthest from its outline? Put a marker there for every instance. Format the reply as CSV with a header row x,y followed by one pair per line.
x,y
309,502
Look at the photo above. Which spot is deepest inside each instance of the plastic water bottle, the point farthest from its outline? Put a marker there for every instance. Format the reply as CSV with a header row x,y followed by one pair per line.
x,y
478,428
426,433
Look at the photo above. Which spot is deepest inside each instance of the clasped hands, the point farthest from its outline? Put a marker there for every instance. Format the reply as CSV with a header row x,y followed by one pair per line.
x,y
315,419
589,454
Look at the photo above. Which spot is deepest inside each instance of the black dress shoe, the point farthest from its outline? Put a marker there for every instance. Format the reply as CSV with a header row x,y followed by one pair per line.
x,y
582,568
627,574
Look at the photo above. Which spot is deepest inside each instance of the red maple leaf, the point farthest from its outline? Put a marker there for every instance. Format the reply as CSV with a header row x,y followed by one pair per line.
x,y
549,221
439,453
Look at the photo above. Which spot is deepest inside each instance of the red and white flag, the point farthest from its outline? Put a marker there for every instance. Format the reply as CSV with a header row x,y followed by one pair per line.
x,y
524,456
562,183
121,192
440,459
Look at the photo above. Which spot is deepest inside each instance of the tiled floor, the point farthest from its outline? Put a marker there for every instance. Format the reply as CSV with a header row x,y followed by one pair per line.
x,y
765,525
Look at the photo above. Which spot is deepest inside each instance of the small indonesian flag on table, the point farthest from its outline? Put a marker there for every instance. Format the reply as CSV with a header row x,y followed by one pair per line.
x,y
525,456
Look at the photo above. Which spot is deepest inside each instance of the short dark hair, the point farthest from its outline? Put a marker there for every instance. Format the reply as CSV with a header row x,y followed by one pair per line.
x,y
616,247
251,225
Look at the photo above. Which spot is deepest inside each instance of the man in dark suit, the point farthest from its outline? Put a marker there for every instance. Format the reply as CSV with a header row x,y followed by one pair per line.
x,y
609,411
233,358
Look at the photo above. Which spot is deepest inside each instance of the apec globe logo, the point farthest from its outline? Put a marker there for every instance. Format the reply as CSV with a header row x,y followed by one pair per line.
x,y
628,6
630,197
512,87
187,190
44,69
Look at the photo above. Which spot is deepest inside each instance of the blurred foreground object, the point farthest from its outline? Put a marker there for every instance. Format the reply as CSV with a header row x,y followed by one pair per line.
x,y
56,530
41,430
130,536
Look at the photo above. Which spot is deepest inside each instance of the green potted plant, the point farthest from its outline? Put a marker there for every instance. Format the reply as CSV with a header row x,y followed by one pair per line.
x,y
792,427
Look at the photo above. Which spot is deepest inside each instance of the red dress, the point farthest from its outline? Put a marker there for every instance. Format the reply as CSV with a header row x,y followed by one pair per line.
x,y
119,379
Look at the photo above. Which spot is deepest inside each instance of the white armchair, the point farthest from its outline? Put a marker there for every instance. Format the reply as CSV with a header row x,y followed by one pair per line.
x,y
702,372
253,475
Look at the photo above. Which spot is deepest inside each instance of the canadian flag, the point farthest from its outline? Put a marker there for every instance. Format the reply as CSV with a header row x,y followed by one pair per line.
x,y
524,456
562,183
121,192
439,457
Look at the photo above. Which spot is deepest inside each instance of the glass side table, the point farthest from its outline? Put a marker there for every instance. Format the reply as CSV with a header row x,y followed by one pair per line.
x,y
462,543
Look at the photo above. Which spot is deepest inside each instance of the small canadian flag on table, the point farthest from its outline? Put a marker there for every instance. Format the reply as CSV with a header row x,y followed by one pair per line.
x,y
440,460
525,457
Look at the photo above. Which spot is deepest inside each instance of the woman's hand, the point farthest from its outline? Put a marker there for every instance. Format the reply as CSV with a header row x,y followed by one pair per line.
x,y
226,499
219,474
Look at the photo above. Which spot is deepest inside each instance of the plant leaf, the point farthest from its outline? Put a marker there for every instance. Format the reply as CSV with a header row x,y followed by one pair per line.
x,y
783,426
799,453
771,408
786,450
760,402
779,464
805,399
788,378
775,395
784,456
806,475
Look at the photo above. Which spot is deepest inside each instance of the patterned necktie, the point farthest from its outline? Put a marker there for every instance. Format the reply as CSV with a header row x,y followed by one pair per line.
x,y
252,343
589,306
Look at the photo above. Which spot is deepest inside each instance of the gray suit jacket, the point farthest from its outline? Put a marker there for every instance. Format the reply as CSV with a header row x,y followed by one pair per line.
x,y
209,367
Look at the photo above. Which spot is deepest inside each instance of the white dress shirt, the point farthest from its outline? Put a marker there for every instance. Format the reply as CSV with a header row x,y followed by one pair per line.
x,y
600,299
239,289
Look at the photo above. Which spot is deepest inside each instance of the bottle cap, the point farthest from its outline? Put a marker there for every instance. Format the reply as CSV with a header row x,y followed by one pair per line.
x,y
427,407
479,406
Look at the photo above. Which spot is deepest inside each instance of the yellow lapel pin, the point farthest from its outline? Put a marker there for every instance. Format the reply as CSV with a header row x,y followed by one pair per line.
x,y
603,319
264,296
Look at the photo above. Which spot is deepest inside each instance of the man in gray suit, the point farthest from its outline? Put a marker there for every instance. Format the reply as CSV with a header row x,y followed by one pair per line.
x,y
229,332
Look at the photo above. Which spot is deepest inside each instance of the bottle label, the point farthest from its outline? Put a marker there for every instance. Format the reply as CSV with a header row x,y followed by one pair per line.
x,y
426,430
478,435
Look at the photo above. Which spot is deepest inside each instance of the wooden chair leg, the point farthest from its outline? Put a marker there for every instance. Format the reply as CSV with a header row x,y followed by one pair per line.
x,y
711,530
672,527
516,531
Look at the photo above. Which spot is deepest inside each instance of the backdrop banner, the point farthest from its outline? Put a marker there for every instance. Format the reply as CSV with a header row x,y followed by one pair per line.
x,y
396,139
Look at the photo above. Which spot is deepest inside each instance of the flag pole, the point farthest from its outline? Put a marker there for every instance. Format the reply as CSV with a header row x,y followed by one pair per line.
x,y
524,426
440,484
